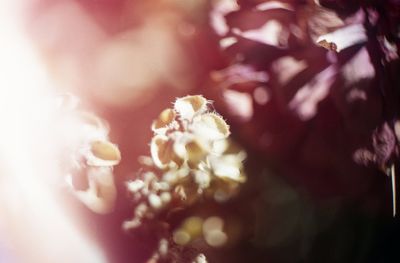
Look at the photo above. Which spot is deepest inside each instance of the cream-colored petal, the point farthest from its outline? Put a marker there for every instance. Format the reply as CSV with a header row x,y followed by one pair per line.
x,y
210,126
165,120
180,140
197,152
220,146
159,151
101,195
190,106
103,153
228,167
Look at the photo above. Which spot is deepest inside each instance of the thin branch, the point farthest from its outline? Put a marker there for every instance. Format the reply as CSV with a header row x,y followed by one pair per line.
x,y
393,175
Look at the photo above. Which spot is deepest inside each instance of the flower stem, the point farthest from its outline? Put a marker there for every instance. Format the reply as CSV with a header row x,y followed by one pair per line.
x,y
393,175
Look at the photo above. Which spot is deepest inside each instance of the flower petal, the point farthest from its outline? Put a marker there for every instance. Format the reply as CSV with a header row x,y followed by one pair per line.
x,y
103,153
160,151
164,120
210,126
189,106
196,153
228,167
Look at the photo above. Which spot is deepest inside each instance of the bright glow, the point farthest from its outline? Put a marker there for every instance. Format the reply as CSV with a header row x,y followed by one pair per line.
x,y
34,224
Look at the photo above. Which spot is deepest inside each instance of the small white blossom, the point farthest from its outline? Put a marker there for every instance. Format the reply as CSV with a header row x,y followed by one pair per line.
x,y
155,201
135,186
190,106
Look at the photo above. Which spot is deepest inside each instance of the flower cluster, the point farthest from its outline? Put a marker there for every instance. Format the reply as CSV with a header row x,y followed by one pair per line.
x,y
90,154
191,157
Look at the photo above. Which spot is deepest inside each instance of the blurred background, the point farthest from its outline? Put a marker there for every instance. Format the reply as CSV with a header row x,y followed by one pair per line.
x,y
317,119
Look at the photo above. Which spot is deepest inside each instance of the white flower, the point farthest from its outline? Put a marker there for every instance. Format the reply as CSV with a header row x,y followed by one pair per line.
x,y
103,153
190,106
165,121
228,166
189,151
210,127
88,150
